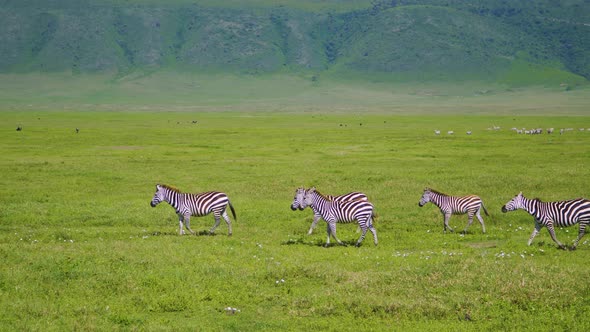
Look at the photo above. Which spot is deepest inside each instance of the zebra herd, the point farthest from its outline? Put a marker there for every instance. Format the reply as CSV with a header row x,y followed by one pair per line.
x,y
533,131
355,207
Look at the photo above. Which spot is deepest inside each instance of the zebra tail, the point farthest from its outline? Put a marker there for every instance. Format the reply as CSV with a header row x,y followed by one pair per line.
x,y
233,212
484,209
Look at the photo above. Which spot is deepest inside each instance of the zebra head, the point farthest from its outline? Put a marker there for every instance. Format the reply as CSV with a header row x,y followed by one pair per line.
x,y
425,197
298,199
514,204
307,198
158,196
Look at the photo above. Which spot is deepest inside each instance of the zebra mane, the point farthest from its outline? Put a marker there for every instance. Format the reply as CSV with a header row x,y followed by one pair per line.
x,y
170,188
436,192
322,195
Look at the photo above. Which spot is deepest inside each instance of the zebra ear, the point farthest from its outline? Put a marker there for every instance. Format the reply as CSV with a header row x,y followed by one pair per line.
x,y
520,194
311,189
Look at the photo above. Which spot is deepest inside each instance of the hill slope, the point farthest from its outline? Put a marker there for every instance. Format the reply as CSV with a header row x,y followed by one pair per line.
x,y
516,42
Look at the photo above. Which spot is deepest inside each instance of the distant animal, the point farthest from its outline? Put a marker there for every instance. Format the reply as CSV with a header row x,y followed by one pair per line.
x,y
187,205
469,132
300,193
19,128
77,130
335,211
450,132
550,214
450,205
550,130
437,132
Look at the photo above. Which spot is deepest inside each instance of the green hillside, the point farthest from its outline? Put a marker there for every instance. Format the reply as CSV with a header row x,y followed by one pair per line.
x,y
532,42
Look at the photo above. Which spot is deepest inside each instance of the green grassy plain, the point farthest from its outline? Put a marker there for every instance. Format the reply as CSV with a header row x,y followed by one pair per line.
x,y
82,249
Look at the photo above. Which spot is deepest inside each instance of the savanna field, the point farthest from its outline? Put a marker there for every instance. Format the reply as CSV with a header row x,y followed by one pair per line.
x,y
83,250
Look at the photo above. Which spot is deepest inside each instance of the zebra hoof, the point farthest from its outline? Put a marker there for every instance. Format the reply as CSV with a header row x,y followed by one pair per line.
x,y
572,248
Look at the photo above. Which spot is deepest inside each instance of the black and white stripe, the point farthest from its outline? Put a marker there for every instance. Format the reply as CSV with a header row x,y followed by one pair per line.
x,y
335,211
551,214
450,205
300,192
187,205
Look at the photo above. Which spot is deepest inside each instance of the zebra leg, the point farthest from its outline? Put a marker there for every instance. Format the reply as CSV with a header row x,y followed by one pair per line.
x,y
470,221
581,233
552,233
478,215
535,232
316,218
217,217
187,224
364,226
373,230
180,221
332,231
446,225
226,217
363,234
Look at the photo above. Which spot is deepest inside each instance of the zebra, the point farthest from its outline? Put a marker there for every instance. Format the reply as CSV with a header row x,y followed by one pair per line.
x,y
550,214
300,192
450,205
187,205
335,211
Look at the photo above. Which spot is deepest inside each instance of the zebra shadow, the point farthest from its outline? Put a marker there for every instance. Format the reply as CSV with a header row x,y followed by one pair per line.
x,y
318,243
197,233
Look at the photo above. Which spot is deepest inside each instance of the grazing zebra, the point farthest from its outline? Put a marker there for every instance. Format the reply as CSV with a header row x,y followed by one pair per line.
x,y
300,192
449,205
550,214
335,211
187,205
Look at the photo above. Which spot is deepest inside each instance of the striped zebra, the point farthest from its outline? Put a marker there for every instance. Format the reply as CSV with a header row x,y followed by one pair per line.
x,y
450,205
335,211
187,205
300,192
550,214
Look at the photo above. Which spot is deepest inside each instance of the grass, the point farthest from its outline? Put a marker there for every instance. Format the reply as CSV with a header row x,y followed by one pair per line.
x,y
82,249
197,92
